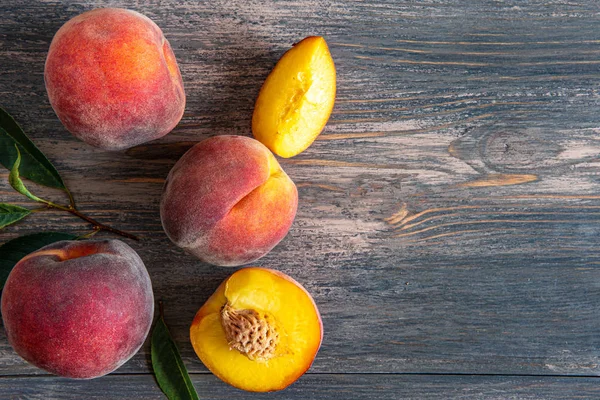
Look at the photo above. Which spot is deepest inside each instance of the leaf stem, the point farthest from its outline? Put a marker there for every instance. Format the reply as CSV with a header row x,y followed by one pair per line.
x,y
97,225
71,199
16,182
34,210
89,234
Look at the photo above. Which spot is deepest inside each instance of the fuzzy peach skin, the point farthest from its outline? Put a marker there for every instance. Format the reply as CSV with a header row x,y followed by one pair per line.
x,y
227,201
78,309
113,80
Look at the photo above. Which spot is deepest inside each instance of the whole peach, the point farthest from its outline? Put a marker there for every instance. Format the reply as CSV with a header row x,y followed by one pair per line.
x,y
227,201
113,80
78,309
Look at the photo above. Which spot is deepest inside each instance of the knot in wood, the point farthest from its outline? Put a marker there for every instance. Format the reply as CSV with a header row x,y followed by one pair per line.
x,y
249,333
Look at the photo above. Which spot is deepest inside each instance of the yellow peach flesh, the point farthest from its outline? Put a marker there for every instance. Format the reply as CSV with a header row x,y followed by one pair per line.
x,y
289,310
296,99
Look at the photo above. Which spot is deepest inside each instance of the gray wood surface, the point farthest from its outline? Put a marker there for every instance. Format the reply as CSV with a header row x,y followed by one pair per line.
x,y
318,386
449,214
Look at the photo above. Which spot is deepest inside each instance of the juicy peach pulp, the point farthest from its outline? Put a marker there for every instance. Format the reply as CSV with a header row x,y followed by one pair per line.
x,y
296,99
78,309
113,80
260,331
227,201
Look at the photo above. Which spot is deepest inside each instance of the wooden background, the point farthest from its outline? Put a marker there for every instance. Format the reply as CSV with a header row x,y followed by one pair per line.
x,y
449,214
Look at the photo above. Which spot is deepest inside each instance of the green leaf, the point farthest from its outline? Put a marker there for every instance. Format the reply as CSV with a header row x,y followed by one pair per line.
x,y
35,166
13,250
170,372
10,213
15,180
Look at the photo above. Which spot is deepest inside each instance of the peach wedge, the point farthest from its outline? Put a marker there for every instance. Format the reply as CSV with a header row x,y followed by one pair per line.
x,y
260,331
296,99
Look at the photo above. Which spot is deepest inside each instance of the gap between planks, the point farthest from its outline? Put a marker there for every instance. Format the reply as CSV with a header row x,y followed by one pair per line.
x,y
442,374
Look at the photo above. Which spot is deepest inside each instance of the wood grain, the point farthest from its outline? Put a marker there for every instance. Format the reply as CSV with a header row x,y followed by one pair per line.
x,y
317,386
449,214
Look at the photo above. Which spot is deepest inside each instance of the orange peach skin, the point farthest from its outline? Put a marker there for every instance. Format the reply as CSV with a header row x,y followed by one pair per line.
x,y
78,309
278,375
227,201
113,80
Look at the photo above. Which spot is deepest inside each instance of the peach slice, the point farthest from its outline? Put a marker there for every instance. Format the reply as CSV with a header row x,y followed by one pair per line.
x,y
296,99
260,331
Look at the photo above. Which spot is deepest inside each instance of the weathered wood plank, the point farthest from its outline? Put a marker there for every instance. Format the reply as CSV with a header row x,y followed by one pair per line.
x,y
449,214
316,386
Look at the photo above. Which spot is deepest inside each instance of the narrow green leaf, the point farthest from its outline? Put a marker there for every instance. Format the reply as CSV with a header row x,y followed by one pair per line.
x,y
35,166
10,213
13,250
15,181
170,372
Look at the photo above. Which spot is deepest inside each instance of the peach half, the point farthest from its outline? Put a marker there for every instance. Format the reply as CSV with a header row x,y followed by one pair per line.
x,y
260,331
113,80
227,201
297,98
